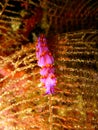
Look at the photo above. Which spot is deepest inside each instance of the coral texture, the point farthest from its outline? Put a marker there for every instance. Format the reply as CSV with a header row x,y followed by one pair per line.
x,y
72,37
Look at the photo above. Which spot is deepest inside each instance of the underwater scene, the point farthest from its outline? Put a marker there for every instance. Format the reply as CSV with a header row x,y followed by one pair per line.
x,y
48,65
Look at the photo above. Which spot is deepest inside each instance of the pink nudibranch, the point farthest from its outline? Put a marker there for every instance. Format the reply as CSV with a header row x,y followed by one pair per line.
x,y
46,61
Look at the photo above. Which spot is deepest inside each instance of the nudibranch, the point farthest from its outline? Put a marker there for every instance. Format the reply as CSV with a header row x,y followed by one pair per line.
x,y
46,61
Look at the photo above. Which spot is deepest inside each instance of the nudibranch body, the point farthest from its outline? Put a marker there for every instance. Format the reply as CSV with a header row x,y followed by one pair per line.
x,y
46,61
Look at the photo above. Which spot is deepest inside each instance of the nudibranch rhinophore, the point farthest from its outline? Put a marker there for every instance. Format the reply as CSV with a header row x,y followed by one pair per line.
x,y
46,61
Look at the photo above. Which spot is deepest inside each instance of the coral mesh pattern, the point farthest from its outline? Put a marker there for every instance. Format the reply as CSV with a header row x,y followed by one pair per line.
x,y
74,105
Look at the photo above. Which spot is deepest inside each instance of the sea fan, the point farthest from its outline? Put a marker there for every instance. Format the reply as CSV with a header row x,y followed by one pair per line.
x,y
73,44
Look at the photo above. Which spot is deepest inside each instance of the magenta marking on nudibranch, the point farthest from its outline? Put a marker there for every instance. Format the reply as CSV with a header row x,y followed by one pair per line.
x,y
46,61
